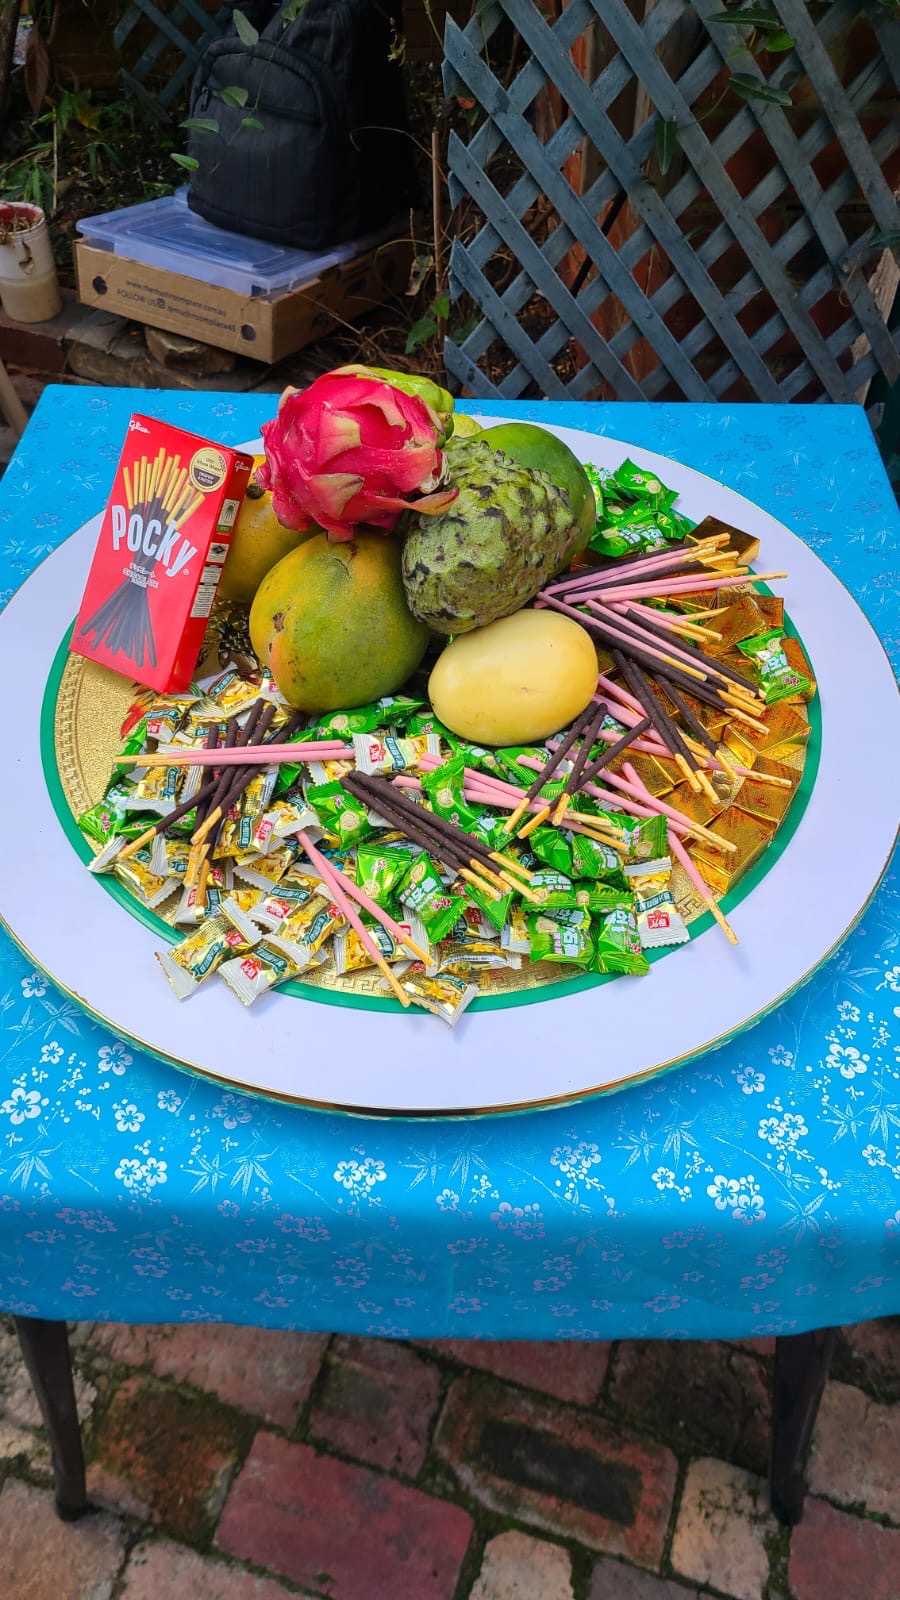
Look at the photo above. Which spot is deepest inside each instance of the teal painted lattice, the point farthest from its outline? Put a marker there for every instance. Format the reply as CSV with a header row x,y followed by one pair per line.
x,y
171,40
653,205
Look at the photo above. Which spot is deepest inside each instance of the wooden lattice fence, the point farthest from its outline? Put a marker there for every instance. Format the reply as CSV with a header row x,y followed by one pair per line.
x,y
160,46
635,221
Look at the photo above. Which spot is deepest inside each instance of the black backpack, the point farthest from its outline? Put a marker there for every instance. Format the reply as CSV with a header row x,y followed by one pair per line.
x,y
312,145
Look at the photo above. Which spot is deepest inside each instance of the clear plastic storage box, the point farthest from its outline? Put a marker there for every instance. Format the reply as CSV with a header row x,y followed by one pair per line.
x,y
166,233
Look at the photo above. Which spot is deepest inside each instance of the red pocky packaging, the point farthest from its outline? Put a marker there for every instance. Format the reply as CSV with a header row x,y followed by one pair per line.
x,y
165,536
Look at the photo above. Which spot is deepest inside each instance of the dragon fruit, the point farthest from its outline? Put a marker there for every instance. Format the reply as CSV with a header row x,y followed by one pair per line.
x,y
352,451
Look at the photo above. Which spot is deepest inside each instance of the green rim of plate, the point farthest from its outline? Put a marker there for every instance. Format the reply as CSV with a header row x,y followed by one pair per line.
x,y
332,997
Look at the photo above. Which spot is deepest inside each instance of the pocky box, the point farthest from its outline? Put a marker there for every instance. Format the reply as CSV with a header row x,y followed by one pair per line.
x,y
162,546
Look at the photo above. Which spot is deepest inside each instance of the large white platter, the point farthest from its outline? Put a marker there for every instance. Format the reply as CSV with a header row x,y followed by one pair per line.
x,y
561,1048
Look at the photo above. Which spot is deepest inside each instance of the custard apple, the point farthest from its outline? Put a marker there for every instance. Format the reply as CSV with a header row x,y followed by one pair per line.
x,y
491,551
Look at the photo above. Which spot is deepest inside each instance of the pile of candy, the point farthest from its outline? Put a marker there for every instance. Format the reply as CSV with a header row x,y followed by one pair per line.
x,y
635,512
266,915
377,838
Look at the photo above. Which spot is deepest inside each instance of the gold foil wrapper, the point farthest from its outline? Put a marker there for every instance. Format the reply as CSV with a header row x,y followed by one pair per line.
x,y
739,664
659,776
797,658
746,544
768,801
738,621
749,834
712,718
699,807
771,606
785,724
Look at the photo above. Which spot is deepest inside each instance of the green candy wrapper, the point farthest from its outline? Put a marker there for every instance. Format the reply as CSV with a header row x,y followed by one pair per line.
x,y
592,859
639,482
489,830
424,893
573,917
476,756
555,891
617,944
445,790
599,479
509,765
645,837
553,941
290,771
427,722
496,911
343,817
554,848
132,745
614,541
360,719
396,709
776,677
108,818
600,899
381,870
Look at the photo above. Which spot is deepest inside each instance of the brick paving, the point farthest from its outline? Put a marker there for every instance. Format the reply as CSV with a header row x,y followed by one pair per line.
x,y
238,1464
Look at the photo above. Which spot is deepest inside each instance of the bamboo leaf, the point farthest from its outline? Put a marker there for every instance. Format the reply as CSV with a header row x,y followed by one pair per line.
x,y
666,137
757,89
244,28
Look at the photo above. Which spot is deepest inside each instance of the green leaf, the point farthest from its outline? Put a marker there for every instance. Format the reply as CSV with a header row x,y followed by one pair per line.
x,y
666,135
234,95
757,89
185,161
778,41
885,241
440,307
205,124
750,17
244,28
420,333
252,122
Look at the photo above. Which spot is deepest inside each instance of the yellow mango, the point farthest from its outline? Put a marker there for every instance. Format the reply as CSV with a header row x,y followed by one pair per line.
x,y
516,680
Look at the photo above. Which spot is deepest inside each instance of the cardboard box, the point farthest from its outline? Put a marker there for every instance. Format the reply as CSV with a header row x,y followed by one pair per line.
x,y
263,327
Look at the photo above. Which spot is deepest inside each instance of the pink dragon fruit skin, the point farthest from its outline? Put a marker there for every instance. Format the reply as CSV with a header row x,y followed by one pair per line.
x,y
351,451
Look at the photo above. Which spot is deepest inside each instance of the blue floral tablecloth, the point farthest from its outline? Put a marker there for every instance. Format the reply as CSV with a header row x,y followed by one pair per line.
x,y
755,1192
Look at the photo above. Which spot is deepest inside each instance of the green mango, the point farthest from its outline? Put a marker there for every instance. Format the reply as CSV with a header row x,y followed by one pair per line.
x,y
530,446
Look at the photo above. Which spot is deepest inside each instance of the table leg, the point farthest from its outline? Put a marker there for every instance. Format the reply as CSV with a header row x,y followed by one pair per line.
x,y
801,1368
45,1347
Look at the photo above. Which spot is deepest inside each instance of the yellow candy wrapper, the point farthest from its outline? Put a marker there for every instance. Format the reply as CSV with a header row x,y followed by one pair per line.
x,y
444,996
267,965
197,957
658,918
